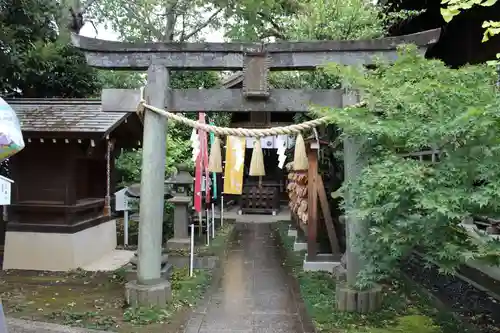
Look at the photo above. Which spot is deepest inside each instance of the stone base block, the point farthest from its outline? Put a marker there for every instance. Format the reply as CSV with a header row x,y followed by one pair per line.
x,y
157,294
340,273
298,246
57,251
323,262
292,233
360,301
203,262
178,243
131,272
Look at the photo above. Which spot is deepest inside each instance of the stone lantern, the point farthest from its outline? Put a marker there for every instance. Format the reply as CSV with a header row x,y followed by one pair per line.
x,y
182,184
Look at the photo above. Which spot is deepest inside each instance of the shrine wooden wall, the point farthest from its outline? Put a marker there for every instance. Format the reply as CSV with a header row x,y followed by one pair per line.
x,y
58,186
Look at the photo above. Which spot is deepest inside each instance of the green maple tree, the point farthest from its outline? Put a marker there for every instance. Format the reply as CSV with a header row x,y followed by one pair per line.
x,y
412,105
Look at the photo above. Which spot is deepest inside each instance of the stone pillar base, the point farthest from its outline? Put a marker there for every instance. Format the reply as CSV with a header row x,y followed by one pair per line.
x,y
178,243
131,268
360,301
157,294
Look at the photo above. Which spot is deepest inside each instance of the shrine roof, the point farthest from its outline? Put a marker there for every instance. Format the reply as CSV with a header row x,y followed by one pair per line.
x,y
66,115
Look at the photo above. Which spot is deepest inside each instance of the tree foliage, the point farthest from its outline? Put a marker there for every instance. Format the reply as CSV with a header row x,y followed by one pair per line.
x,y
453,8
332,20
178,145
35,62
415,104
184,20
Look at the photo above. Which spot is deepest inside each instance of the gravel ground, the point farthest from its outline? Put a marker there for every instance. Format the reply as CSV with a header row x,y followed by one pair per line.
x,y
25,326
475,306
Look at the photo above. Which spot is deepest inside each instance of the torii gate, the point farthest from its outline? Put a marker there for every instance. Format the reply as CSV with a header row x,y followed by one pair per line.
x,y
255,59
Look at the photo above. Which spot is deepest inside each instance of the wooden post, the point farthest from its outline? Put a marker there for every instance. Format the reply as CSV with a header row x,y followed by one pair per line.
x,y
107,198
152,178
312,203
327,216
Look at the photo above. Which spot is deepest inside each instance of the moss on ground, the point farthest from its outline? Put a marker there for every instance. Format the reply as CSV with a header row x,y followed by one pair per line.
x,y
404,310
95,300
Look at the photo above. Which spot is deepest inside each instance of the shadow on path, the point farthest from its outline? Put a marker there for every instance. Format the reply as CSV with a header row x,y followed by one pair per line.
x,y
255,293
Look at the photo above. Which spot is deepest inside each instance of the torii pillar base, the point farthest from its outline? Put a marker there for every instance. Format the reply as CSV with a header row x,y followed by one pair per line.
x,y
359,301
157,294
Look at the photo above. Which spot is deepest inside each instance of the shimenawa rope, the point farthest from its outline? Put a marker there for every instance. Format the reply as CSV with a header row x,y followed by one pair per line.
x,y
241,132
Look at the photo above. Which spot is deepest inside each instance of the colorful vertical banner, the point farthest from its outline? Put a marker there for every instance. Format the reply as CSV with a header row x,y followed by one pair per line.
x,y
235,159
204,156
198,178
214,175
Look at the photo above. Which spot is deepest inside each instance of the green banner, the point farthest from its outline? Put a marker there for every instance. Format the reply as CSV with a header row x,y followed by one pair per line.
x,y
214,182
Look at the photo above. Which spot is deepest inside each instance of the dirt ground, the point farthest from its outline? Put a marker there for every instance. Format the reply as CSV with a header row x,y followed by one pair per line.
x,y
95,300
85,299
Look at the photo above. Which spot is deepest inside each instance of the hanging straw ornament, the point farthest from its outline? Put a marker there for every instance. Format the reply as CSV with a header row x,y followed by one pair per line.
x,y
257,162
300,161
215,160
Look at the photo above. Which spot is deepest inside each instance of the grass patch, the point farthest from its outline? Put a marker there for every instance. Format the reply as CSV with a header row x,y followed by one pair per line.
x,y
217,244
95,300
186,291
404,310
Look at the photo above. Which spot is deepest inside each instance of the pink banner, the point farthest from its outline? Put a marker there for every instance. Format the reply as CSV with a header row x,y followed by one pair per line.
x,y
204,156
198,174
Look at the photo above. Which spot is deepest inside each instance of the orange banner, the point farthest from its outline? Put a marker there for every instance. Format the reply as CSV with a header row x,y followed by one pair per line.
x,y
235,160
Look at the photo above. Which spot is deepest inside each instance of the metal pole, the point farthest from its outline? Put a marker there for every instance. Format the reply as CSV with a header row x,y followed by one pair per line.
x,y
213,220
125,227
498,75
222,193
152,178
191,253
3,322
222,210
208,226
200,223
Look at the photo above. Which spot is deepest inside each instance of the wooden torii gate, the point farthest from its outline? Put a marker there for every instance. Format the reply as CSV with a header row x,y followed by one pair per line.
x,y
255,60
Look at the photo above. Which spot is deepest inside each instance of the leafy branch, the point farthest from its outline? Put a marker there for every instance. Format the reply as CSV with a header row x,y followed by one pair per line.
x,y
453,8
411,105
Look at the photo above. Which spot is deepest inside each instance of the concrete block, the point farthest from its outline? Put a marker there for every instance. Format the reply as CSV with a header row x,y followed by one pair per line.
x,y
203,262
298,246
131,272
292,232
325,262
158,293
178,243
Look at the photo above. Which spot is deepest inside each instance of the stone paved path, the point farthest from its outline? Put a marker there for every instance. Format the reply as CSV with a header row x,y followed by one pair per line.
x,y
255,294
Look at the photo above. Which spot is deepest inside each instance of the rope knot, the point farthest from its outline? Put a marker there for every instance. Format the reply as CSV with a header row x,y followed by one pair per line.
x,y
140,108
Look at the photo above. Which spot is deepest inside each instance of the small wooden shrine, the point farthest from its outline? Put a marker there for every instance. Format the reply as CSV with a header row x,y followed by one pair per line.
x,y
63,178
260,196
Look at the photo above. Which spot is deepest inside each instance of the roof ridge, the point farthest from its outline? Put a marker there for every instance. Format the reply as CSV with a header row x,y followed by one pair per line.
x,y
55,101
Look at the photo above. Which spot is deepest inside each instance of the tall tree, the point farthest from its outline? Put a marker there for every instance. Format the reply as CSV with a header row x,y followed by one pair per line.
x,y
415,104
186,20
34,62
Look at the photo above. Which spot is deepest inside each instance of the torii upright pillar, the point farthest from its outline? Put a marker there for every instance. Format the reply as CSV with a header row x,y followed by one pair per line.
x,y
150,288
